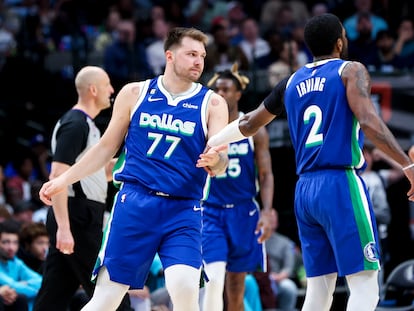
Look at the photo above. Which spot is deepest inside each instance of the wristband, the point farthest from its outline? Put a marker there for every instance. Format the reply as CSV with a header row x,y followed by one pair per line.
x,y
408,167
229,134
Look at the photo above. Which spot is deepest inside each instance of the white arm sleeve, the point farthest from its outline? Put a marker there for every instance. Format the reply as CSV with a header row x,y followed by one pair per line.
x,y
229,134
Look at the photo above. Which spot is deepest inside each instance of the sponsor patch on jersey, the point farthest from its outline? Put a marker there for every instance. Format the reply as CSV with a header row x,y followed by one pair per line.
x,y
189,105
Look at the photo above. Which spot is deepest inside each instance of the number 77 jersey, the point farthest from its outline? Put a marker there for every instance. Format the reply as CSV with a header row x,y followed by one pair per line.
x,y
324,131
165,137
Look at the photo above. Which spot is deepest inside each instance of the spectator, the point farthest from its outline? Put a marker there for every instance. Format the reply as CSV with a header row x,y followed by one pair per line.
x,y
10,300
125,59
281,255
18,186
282,15
9,26
200,13
140,299
404,46
221,54
126,8
34,39
2,189
40,157
34,245
106,37
155,50
351,23
319,8
267,297
174,12
157,12
363,48
235,15
23,212
39,152
251,299
252,44
287,64
156,284
13,271
4,213
304,54
385,60
39,208
275,40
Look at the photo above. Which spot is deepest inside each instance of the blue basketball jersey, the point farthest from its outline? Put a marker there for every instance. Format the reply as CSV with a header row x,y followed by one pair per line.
x,y
166,135
239,182
316,106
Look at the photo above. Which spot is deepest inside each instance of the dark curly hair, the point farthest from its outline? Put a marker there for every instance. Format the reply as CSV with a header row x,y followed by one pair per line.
x,y
321,33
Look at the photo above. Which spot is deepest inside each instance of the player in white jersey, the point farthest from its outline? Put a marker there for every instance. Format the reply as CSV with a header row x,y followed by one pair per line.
x,y
165,123
332,206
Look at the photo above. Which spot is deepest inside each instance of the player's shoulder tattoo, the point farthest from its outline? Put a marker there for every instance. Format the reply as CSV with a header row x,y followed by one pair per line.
x,y
355,72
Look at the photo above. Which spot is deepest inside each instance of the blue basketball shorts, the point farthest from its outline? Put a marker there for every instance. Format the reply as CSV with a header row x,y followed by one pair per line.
x,y
336,223
142,224
228,235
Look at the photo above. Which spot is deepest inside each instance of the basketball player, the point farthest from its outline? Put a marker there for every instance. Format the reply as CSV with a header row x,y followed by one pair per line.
x,y
165,123
328,104
232,240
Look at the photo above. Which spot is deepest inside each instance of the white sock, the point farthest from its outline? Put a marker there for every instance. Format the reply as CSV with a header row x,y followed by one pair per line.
x,y
213,295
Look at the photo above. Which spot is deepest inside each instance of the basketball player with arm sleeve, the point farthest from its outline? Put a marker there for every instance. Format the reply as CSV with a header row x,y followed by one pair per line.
x,y
329,111
164,123
234,226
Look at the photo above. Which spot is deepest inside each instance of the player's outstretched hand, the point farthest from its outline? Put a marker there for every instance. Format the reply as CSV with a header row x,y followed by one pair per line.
x,y
210,157
264,226
49,189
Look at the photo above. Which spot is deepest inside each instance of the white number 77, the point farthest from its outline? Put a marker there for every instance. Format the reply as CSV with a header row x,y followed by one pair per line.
x,y
157,139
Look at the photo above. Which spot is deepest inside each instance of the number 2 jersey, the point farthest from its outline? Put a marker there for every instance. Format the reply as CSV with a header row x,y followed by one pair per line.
x,y
324,131
165,137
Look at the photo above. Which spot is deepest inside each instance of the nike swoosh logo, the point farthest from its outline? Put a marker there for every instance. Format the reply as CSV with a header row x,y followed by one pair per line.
x,y
151,99
196,209
252,212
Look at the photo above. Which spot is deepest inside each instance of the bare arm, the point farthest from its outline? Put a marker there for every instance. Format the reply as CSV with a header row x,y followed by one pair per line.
x,y
266,181
215,159
64,239
101,153
358,89
251,122
109,168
